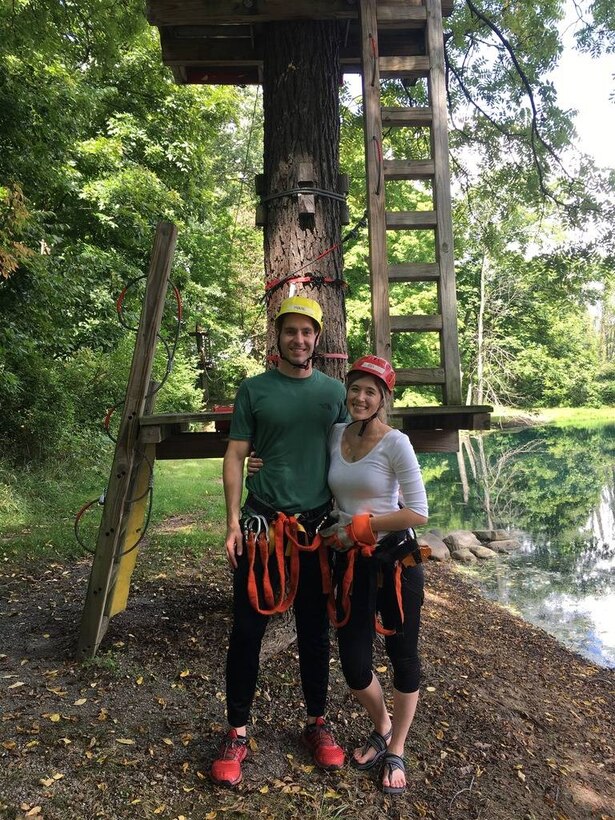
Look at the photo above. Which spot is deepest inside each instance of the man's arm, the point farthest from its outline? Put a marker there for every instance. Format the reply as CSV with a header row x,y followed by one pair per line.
x,y
232,478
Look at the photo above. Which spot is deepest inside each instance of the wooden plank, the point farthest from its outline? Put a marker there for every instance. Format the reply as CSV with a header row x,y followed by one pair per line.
x,y
375,181
400,14
414,272
93,623
434,441
192,445
118,594
442,204
180,49
222,75
419,375
198,13
410,220
411,68
416,324
408,169
209,52
393,117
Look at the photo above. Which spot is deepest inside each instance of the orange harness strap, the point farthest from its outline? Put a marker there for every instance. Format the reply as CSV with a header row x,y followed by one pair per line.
x,y
283,542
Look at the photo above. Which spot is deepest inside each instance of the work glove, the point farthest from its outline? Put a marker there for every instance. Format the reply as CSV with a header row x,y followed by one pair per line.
x,y
348,531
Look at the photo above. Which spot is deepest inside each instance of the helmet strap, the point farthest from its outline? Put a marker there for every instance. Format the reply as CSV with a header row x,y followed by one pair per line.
x,y
365,422
306,364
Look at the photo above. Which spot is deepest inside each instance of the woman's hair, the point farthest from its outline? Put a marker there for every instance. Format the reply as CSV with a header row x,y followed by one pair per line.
x,y
387,398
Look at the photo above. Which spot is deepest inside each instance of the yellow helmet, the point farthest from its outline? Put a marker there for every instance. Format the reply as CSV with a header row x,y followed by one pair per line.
x,y
303,306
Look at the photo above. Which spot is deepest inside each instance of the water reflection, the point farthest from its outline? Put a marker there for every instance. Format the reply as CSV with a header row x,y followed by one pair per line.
x,y
556,488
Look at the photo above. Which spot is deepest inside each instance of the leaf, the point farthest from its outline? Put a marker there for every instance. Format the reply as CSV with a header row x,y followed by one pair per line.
x,y
80,702
521,776
34,811
139,680
381,669
184,674
430,688
167,740
17,684
332,795
264,790
160,809
126,741
253,744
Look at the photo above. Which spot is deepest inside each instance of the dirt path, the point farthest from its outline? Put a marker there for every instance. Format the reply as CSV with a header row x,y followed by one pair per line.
x,y
510,725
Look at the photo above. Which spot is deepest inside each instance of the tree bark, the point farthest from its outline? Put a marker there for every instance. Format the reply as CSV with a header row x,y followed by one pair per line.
x,y
301,77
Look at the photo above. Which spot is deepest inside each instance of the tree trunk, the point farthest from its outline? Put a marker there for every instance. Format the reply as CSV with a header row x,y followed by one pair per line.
x,y
301,77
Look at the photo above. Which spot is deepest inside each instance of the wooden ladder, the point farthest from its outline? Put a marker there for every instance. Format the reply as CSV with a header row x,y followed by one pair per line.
x,y
376,16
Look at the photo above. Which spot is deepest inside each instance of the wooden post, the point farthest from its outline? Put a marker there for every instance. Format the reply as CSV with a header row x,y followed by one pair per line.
x,y
94,622
375,180
442,203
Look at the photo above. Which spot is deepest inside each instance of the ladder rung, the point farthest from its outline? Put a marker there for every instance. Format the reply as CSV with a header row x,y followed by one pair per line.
x,y
416,324
408,168
419,375
406,117
410,220
404,67
414,272
394,14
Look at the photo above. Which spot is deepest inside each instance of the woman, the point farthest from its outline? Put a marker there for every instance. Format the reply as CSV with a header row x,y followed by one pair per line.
x,y
372,465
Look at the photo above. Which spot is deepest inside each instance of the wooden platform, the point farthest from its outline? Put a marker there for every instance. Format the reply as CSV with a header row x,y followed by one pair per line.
x,y
430,429
221,41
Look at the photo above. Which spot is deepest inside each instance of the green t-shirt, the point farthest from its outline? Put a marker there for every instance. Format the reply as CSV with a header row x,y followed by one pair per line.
x,y
288,422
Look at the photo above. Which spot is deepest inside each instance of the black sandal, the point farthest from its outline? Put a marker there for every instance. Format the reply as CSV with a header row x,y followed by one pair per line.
x,y
377,742
390,763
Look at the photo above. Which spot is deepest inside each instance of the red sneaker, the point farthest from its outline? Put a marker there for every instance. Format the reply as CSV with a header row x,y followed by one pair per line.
x,y
226,769
326,752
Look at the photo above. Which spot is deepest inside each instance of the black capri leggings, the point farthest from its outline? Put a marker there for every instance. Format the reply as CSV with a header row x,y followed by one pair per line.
x,y
356,639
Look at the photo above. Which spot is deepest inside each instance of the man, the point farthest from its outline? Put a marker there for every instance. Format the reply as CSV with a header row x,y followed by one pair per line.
x,y
285,415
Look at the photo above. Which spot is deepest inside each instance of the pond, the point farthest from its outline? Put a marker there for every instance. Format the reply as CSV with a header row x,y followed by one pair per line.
x,y
555,488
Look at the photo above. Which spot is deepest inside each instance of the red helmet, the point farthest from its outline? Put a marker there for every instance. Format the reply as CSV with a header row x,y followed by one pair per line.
x,y
375,366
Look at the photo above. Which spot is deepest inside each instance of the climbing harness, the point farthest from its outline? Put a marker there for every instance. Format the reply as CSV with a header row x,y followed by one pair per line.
x,y
389,556
274,542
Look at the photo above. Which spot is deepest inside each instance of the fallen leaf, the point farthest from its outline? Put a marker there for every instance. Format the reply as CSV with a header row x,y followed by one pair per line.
x,y
184,674
126,741
160,809
80,702
139,680
167,740
264,790
381,669
17,684
253,744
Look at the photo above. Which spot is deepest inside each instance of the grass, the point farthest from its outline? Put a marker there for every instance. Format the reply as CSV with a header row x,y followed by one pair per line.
x,y
558,416
38,506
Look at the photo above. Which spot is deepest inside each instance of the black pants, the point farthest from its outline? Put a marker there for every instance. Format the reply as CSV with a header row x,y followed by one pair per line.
x,y
356,639
242,661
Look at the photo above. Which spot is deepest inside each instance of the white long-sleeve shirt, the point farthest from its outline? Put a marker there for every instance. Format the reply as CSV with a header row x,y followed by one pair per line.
x,y
373,483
